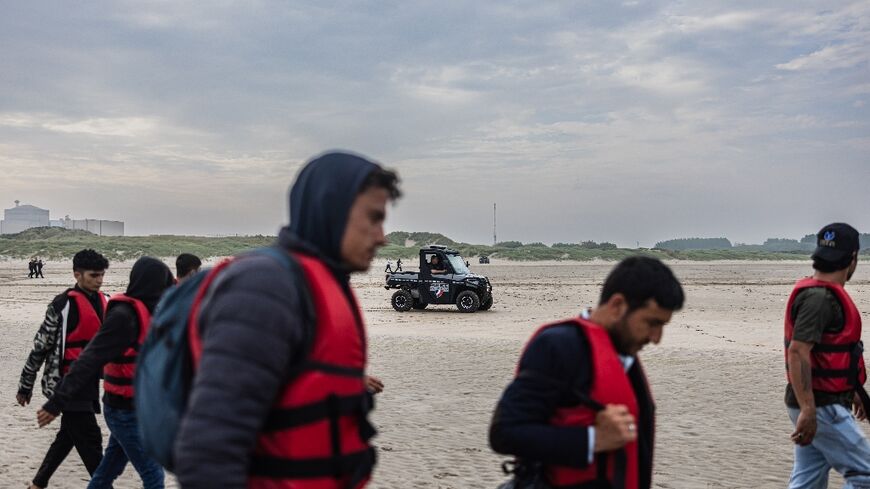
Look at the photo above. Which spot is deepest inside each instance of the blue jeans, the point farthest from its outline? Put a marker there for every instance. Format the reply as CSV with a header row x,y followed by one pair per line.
x,y
839,444
124,445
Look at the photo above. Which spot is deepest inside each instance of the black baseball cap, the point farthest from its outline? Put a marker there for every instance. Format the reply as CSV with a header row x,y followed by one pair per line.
x,y
835,242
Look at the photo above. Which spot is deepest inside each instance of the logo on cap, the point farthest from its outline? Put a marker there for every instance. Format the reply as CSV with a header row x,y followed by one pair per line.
x,y
829,236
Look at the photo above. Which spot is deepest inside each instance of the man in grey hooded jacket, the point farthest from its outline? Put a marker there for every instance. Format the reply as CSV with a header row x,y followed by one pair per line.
x,y
253,324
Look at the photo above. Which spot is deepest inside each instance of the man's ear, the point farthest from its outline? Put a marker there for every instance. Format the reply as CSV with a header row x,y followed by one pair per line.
x,y
616,307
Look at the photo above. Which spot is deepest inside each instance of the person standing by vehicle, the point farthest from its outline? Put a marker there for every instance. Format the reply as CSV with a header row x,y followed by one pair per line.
x,y
284,351
71,321
825,367
579,410
113,351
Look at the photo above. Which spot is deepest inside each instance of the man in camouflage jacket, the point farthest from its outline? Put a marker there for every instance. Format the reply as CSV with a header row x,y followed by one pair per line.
x,y
78,427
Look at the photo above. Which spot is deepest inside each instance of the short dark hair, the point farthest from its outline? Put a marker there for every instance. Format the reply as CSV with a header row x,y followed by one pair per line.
x,y
385,179
186,263
641,278
826,266
89,260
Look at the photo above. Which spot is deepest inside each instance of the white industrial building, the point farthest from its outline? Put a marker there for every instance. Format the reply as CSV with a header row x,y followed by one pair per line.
x,y
22,217
100,227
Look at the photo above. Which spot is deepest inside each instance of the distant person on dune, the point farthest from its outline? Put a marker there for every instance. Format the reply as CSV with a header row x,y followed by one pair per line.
x,y
579,412
71,321
186,265
825,367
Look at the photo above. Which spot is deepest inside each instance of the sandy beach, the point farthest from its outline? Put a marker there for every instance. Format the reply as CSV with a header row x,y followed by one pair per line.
x,y
717,376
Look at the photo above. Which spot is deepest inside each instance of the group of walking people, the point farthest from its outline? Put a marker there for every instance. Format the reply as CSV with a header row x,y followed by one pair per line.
x,y
281,396
35,267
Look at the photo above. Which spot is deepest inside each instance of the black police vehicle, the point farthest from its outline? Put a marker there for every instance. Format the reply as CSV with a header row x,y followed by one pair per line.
x,y
443,278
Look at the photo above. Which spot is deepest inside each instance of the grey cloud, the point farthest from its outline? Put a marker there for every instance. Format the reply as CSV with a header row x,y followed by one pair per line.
x,y
632,121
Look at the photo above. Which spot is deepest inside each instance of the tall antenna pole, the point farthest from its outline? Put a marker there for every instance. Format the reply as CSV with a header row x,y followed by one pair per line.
x,y
494,239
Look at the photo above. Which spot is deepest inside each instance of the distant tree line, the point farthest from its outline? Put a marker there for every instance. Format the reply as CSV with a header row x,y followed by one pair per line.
x,y
694,244
786,245
587,245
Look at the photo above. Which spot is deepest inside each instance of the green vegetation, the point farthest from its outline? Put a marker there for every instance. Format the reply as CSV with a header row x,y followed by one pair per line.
x,y
583,251
59,243
694,244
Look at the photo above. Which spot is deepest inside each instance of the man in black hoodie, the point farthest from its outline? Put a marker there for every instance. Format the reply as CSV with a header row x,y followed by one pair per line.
x,y
113,351
283,353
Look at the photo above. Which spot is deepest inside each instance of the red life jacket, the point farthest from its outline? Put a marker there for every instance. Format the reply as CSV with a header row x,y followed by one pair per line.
x,y
83,331
837,360
118,374
316,434
610,385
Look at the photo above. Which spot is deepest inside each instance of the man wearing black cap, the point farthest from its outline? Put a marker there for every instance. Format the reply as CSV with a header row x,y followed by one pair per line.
x,y
825,367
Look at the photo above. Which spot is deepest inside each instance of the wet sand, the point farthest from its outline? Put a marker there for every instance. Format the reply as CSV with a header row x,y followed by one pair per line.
x,y
717,376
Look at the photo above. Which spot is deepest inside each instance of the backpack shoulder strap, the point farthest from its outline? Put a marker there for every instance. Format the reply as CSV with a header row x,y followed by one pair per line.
x,y
309,320
291,266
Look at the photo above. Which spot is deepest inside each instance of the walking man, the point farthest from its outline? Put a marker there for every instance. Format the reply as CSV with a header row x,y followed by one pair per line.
x,y
389,268
71,321
284,352
825,368
39,266
31,265
113,352
579,412
399,265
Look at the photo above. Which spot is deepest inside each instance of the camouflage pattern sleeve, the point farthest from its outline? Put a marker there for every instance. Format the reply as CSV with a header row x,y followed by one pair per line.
x,y
44,344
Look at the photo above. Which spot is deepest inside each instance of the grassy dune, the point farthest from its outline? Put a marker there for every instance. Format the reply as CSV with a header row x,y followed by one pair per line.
x,y
59,243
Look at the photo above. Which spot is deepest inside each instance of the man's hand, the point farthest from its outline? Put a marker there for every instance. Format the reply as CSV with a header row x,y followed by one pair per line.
x,y
858,408
614,428
374,384
805,427
44,417
24,399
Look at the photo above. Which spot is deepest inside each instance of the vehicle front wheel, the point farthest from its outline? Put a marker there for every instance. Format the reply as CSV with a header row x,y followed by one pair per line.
x,y
402,301
467,301
486,303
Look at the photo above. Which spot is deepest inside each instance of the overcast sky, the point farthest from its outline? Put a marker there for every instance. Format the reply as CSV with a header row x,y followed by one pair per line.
x,y
625,122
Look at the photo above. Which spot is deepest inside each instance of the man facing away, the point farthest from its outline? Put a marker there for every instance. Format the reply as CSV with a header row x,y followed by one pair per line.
x,y
279,398
186,265
71,321
825,367
113,352
39,265
579,412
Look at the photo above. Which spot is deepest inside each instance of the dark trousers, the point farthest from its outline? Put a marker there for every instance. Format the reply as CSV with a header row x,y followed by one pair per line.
x,y
79,430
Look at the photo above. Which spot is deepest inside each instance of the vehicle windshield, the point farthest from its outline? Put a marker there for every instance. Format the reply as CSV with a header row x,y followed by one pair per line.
x,y
458,265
